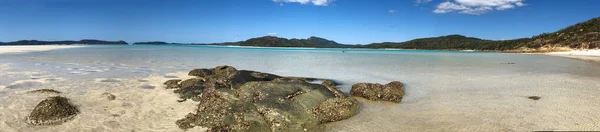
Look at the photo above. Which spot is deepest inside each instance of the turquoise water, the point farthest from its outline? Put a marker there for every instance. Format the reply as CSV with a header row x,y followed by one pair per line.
x,y
434,79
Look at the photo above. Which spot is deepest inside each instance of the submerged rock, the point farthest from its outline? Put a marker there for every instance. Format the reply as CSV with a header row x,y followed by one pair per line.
x,y
534,97
109,96
393,91
53,110
45,91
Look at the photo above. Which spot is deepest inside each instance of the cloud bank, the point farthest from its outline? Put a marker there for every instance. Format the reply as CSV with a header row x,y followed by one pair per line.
x,y
476,7
314,2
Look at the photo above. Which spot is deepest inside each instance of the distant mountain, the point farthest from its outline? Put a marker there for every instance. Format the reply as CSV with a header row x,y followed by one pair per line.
x,y
152,42
85,41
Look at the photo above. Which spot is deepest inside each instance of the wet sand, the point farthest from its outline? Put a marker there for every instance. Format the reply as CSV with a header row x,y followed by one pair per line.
x,y
33,48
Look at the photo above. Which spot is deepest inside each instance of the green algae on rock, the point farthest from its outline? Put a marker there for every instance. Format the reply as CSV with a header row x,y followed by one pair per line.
x,y
51,111
393,91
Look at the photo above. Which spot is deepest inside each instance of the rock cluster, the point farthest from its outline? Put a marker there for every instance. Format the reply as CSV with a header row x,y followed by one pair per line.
x,y
240,100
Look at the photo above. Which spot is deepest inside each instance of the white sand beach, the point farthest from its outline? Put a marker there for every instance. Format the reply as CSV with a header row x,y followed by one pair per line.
x,y
593,55
27,48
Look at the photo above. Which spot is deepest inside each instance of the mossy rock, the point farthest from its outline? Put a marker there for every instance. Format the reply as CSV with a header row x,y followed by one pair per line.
x,y
52,111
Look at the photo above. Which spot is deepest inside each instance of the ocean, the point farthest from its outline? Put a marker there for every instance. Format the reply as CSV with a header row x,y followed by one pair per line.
x,y
445,90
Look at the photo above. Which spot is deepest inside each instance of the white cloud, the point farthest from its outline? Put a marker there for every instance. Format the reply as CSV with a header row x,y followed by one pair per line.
x,y
272,34
392,11
314,2
477,7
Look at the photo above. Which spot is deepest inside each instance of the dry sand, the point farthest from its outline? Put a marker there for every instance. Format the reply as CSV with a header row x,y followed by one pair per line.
x,y
30,48
592,55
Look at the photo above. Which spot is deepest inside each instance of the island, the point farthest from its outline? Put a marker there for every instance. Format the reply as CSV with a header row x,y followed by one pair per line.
x,y
152,42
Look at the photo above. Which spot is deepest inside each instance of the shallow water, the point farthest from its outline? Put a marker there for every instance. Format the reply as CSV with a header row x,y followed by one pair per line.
x,y
446,90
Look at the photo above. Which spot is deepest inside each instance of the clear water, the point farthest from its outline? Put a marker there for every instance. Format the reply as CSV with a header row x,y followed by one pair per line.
x,y
438,83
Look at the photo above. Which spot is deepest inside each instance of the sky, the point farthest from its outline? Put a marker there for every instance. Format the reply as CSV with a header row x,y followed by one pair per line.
x,y
344,21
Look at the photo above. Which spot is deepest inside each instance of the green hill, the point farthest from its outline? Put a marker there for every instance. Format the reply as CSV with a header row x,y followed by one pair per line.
x,y
272,41
585,35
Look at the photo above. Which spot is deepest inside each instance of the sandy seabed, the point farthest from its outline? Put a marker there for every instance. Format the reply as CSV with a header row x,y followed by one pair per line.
x,y
462,100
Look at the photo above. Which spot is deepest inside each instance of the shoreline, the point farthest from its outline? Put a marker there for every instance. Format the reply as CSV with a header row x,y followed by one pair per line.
x,y
586,55
34,48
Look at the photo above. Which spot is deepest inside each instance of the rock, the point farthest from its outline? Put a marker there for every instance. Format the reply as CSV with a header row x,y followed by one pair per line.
x,y
286,106
534,97
225,71
190,89
221,112
331,86
45,91
393,91
229,77
336,109
328,83
259,76
173,83
109,96
53,110
242,100
201,72
291,80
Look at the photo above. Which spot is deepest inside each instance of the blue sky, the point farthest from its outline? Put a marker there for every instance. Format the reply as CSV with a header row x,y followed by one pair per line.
x,y
345,21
